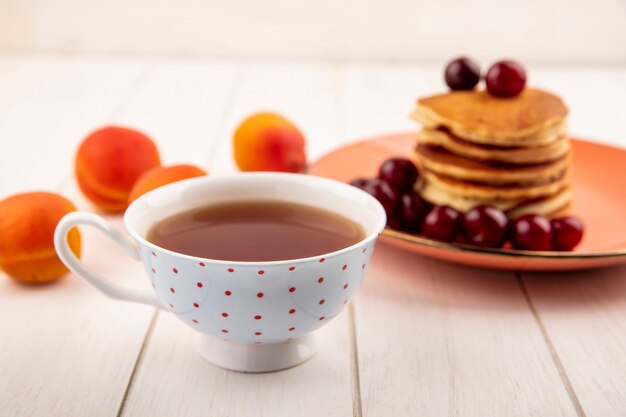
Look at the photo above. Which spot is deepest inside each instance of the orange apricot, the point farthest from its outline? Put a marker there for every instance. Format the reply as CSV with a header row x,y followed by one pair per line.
x,y
269,142
27,223
159,176
108,163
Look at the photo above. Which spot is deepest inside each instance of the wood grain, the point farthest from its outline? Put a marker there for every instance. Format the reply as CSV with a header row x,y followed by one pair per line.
x,y
182,107
583,317
305,94
66,350
593,94
378,99
45,128
173,379
20,78
437,339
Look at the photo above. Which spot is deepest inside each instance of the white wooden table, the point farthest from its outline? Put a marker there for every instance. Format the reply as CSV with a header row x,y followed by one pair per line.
x,y
422,338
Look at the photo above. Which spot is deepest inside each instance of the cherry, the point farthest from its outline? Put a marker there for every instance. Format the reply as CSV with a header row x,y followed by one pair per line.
x,y
412,211
394,223
567,232
384,194
399,173
531,232
359,183
485,226
441,223
462,74
505,79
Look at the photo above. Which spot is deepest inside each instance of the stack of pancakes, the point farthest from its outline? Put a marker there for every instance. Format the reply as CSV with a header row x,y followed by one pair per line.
x,y
510,153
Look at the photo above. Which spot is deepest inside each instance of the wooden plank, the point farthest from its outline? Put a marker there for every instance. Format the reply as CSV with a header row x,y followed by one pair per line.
x,y
594,95
196,388
305,94
181,105
39,137
433,338
67,350
172,379
437,339
582,314
20,77
378,99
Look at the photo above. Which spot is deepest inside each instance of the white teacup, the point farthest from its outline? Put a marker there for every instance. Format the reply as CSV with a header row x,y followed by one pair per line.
x,y
254,316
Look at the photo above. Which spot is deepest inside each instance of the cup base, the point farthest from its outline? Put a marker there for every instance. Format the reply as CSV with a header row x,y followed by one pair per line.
x,y
257,358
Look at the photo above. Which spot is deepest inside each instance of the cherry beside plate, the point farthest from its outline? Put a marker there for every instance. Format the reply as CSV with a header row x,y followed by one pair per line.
x,y
599,198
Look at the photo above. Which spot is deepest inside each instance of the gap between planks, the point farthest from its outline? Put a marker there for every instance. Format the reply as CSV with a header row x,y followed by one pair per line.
x,y
63,183
138,361
116,112
220,131
143,74
357,408
213,153
140,79
553,353
338,72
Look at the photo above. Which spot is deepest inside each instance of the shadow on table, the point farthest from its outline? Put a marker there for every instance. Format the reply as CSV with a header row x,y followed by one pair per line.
x,y
577,289
409,278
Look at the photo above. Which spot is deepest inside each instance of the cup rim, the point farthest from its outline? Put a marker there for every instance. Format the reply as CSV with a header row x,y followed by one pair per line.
x,y
274,176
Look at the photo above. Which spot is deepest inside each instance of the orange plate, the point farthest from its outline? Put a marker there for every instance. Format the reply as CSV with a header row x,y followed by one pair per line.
x,y
599,199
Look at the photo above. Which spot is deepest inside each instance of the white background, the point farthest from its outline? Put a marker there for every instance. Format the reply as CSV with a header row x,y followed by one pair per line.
x,y
547,31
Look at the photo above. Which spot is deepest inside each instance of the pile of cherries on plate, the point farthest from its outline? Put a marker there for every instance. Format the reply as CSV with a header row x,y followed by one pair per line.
x,y
483,225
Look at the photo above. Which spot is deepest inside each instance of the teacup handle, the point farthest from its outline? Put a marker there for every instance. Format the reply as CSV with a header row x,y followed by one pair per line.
x,y
109,288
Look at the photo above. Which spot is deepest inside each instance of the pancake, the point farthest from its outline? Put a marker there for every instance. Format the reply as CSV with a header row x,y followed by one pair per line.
x,y
545,206
441,197
524,155
443,163
533,118
491,192
513,208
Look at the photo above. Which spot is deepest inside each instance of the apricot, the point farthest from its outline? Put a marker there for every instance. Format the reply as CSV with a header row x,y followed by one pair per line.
x,y
269,142
159,176
108,163
27,223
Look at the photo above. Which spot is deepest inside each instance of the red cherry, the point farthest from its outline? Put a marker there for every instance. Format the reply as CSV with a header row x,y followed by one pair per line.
x,y
441,223
399,173
531,232
505,79
393,222
485,226
567,232
462,74
359,183
412,211
384,194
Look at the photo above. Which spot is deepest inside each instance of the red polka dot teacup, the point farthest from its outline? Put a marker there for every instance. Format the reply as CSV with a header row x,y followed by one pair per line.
x,y
254,316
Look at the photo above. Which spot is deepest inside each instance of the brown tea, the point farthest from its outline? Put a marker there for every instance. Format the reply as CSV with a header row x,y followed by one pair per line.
x,y
255,231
